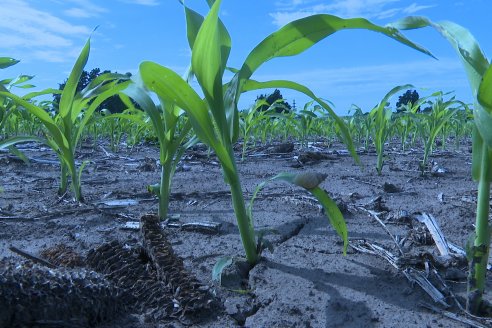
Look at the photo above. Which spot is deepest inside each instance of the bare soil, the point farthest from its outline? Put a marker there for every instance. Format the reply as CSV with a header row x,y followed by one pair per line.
x,y
305,281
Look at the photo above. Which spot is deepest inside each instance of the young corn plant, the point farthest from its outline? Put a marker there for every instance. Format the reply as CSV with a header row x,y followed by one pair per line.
x,y
173,142
360,125
479,72
215,118
252,120
63,132
432,123
7,107
382,125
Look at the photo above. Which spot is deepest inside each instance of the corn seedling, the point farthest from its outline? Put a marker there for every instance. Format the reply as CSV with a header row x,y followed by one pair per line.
x,y
63,132
479,72
173,142
382,124
433,122
360,125
253,122
7,107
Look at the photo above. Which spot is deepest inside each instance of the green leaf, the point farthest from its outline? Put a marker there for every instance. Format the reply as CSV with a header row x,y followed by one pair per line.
x,y
45,118
209,57
310,181
7,62
462,41
193,22
70,88
19,154
300,35
250,85
114,89
169,86
485,90
22,78
219,266
16,140
334,215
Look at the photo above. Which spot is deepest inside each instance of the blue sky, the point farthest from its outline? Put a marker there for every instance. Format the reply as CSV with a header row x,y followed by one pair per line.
x,y
349,67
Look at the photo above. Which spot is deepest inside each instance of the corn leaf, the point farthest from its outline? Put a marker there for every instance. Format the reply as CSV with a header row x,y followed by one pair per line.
x,y
96,102
485,90
208,59
462,41
300,35
70,88
476,66
7,62
170,87
250,85
44,117
16,140
310,181
22,78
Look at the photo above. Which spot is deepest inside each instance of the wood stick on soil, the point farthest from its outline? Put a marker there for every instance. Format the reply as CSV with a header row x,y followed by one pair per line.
x,y
32,257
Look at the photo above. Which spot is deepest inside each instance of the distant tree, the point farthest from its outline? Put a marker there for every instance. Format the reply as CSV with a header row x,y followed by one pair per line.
x,y
113,104
409,97
280,107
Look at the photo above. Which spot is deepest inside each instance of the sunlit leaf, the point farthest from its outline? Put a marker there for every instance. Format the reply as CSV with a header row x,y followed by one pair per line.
x,y
7,62
70,88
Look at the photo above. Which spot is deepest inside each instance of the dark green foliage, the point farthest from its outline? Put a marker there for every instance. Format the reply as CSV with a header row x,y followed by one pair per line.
x,y
276,100
113,104
408,98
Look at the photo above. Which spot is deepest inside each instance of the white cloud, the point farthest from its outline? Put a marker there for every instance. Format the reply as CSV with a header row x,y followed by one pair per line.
x,y
36,33
371,9
143,2
413,8
84,9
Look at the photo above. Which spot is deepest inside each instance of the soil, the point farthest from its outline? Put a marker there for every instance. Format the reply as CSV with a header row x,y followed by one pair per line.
x,y
306,281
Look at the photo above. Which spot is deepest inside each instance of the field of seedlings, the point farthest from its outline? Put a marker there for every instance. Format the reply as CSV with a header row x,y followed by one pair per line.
x,y
182,210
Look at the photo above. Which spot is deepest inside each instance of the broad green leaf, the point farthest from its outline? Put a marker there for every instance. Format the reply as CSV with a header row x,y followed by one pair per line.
x,y
7,62
70,88
193,22
96,102
6,81
21,155
25,86
485,90
22,78
209,57
462,41
49,91
250,85
44,117
310,181
206,55
16,140
300,35
169,86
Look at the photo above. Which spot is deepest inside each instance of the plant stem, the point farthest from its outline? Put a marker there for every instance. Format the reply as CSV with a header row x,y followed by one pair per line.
x,y
481,246
164,189
243,220
63,178
77,189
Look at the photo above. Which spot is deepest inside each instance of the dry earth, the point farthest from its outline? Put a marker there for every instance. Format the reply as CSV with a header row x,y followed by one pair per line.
x,y
305,281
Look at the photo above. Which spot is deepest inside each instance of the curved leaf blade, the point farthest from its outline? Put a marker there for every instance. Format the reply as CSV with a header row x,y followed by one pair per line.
x,y
70,88
300,35
169,86
250,85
